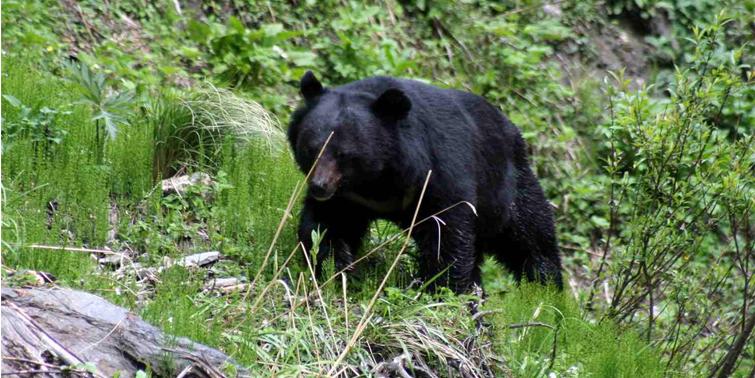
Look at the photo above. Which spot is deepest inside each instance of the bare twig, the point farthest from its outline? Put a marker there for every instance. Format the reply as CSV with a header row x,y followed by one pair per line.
x,y
23,372
69,249
178,8
31,362
186,371
484,313
319,293
86,24
345,302
274,280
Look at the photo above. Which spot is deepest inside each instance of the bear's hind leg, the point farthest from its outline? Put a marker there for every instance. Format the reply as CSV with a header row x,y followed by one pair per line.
x,y
535,258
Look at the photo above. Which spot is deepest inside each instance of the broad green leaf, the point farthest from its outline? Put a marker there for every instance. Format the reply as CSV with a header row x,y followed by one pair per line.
x,y
303,59
236,25
272,30
282,36
198,31
13,100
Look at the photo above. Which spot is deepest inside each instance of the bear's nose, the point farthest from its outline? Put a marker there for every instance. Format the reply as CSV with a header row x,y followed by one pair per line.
x,y
321,190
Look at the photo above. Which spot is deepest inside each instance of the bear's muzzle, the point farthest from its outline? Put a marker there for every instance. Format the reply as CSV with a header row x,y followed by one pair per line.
x,y
325,180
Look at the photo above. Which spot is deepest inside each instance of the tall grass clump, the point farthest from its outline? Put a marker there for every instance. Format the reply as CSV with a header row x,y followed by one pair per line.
x,y
533,322
678,256
189,128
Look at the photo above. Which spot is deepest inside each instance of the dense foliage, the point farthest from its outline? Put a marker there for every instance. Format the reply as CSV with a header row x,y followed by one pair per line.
x,y
640,116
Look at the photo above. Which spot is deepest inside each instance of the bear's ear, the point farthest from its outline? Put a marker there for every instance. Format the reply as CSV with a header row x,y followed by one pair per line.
x,y
392,105
310,87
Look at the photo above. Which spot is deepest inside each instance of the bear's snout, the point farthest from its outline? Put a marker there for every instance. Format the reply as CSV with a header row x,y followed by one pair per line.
x,y
321,190
325,180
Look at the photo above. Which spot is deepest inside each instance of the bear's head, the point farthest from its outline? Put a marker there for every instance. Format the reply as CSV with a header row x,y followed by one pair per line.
x,y
365,120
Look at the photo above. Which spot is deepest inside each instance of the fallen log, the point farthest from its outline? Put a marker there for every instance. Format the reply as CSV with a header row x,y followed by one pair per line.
x,y
49,331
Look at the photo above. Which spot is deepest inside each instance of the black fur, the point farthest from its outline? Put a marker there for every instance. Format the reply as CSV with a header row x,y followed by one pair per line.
x,y
388,133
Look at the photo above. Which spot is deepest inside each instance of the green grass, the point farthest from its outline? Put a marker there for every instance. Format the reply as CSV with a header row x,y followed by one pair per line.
x,y
246,214
584,348
31,181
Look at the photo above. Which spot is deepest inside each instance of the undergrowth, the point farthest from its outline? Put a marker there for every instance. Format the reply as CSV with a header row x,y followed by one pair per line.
x,y
533,322
652,185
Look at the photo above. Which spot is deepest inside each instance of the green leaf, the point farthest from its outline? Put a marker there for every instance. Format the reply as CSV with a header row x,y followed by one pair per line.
x,y
404,66
236,25
13,100
272,30
90,367
599,221
303,59
111,127
287,35
255,35
198,32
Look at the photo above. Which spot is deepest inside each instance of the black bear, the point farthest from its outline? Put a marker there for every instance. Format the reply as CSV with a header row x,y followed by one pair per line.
x,y
387,134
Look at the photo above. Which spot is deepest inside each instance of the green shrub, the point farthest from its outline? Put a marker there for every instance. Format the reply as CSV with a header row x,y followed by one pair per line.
x,y
681,205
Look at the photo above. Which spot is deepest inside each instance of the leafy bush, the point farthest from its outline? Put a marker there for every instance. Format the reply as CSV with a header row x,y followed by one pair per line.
x,y
250,57
35,124
679,249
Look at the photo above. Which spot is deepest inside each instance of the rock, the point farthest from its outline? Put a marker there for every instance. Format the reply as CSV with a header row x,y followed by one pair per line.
x,y
200,259
220,283
234,288
114,260
225,285
179,184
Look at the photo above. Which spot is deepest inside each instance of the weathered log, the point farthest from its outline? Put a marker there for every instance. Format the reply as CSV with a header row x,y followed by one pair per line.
x,y
44,330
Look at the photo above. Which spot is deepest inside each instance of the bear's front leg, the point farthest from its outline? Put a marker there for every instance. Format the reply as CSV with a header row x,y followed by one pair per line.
x,y
340,227
446,245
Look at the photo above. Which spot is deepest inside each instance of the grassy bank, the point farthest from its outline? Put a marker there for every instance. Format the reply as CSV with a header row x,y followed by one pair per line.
x,y
650,174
